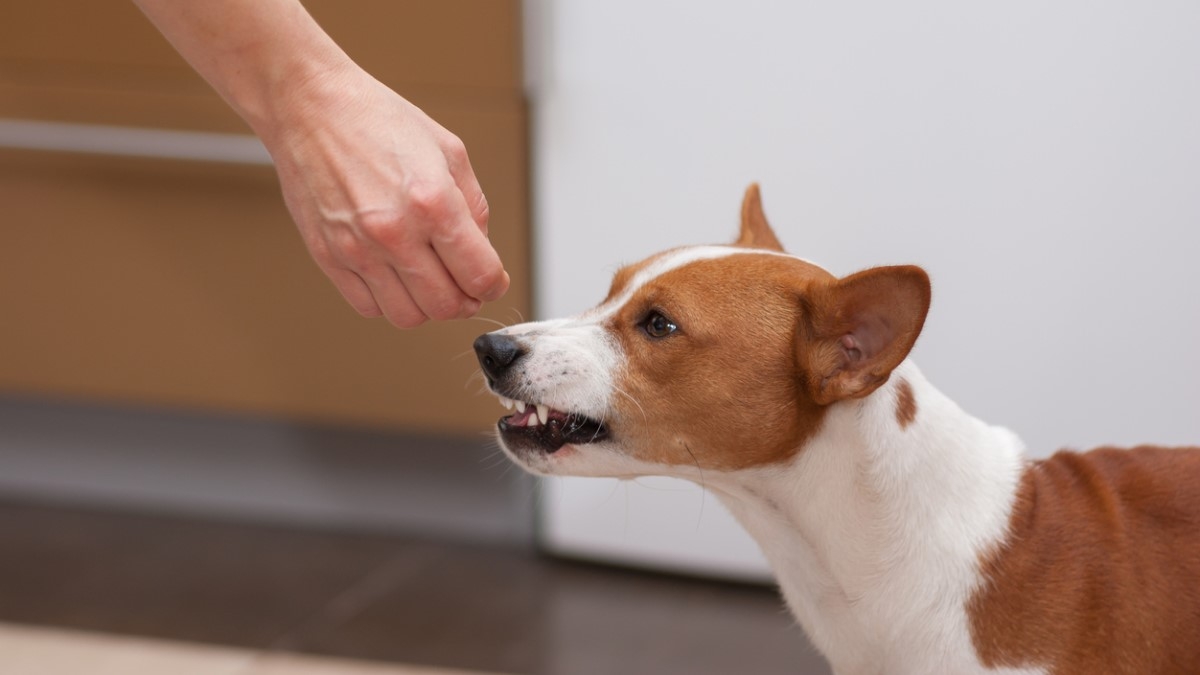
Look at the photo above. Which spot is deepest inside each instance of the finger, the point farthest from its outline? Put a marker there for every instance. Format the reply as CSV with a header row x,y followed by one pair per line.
x,y
354,290
432,287
468,256
394,300
464,177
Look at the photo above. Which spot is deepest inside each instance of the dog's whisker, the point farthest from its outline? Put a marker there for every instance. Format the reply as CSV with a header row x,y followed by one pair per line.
x,y
703,485
632,400
488,319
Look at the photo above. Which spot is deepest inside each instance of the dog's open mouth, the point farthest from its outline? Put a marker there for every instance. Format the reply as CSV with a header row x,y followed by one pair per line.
x,y
546,428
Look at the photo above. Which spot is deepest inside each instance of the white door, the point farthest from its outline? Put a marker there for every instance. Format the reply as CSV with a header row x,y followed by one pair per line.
x,y
1040,159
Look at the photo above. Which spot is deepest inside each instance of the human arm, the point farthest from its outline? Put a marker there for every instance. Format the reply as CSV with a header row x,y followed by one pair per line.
x,y
383,196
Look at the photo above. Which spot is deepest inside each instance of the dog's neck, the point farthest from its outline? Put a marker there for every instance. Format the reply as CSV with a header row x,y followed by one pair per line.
x,y
879,520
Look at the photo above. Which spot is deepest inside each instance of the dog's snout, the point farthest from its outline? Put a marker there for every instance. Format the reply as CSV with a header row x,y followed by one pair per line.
x,y
497,353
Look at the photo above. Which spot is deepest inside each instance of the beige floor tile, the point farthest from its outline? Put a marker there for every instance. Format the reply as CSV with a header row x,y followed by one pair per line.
x,y
41,651
293,664
27,650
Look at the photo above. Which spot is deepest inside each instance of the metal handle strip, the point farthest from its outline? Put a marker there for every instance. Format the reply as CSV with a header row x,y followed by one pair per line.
x,y
97,139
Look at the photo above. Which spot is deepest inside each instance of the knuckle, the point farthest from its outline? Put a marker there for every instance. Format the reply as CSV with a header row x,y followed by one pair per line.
x,y
353,252
320,252
380,227
429,199
446,309
482,211
455,149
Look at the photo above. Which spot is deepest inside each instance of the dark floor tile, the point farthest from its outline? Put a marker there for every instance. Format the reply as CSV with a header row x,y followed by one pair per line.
x,y
384,598
175,578
490,609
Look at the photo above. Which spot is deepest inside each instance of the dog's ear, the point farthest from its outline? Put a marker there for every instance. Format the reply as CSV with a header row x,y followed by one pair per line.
x,y
756,232
856,330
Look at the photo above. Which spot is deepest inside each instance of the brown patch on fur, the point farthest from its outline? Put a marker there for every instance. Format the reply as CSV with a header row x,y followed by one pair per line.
x,y
1100,571
906,404
722,392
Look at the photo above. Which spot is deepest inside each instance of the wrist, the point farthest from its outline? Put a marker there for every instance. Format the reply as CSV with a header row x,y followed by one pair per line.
x,y
297,93
289,74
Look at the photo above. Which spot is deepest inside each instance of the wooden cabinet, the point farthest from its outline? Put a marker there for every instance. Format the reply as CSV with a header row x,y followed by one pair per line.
x,y
184,284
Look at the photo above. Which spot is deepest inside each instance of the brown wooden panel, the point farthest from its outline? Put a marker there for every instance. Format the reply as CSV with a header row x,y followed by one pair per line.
x,y
186,285
448,43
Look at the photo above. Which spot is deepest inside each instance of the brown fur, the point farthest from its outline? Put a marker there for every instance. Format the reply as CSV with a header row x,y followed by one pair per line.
x,y
859,329
756,232
906,404
1100,572
723,391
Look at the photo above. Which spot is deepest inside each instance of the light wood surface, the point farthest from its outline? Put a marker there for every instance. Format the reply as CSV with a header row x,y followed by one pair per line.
x,y
26,650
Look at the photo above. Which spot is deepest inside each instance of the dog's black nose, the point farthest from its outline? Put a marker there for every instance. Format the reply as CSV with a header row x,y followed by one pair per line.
x,y
497,353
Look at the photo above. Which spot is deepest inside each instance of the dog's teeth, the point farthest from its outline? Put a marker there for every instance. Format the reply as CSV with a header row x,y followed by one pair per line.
x,y
520,406
543,413
507,403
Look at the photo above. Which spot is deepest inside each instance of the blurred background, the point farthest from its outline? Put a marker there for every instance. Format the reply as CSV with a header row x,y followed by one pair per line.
x,y
201,442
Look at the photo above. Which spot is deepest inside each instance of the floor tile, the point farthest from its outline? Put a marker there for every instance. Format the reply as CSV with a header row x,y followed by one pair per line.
x,y
292,664
30,651
484,608
387,600
175,578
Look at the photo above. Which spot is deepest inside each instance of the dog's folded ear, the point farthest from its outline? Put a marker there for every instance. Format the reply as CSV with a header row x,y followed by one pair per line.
x,y
755,231
856,330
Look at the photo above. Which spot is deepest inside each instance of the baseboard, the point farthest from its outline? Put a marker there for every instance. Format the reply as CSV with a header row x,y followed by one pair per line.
x,y
263,470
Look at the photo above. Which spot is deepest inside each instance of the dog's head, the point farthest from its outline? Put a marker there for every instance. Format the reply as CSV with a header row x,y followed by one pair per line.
x,y
709,357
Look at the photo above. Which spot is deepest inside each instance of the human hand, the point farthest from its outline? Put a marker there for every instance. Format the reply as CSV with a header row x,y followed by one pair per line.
x,y
385,199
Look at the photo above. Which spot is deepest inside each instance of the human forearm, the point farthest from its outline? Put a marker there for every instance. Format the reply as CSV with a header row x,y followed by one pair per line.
x,y
263,56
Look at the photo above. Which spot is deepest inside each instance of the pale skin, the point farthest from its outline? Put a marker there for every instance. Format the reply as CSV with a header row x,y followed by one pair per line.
x,y
383,196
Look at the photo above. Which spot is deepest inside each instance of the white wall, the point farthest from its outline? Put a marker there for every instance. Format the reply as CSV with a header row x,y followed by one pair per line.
x,y
1040,159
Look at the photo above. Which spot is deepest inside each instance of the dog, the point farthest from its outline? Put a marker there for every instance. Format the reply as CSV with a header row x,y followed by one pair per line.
x,y
907,536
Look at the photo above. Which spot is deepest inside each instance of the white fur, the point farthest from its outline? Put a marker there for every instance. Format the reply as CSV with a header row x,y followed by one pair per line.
x,y
569,365
669,261
875,531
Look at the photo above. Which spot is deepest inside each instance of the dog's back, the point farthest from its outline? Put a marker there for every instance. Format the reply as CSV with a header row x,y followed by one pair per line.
x,y
1101,567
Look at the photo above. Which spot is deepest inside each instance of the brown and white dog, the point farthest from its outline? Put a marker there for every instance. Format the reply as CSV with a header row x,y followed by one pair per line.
x,y
908,536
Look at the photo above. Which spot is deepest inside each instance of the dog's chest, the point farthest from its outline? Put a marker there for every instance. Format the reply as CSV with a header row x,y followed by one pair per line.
x,y
862,620
879,585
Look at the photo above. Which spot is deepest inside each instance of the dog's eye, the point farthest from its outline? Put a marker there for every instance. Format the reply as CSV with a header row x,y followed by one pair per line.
x,y
658,326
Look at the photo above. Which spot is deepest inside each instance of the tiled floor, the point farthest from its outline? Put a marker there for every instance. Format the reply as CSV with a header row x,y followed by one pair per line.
x,y
51,651
257,590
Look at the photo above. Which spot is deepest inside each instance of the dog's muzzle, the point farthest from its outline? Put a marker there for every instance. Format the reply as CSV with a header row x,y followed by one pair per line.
x,y
534,426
